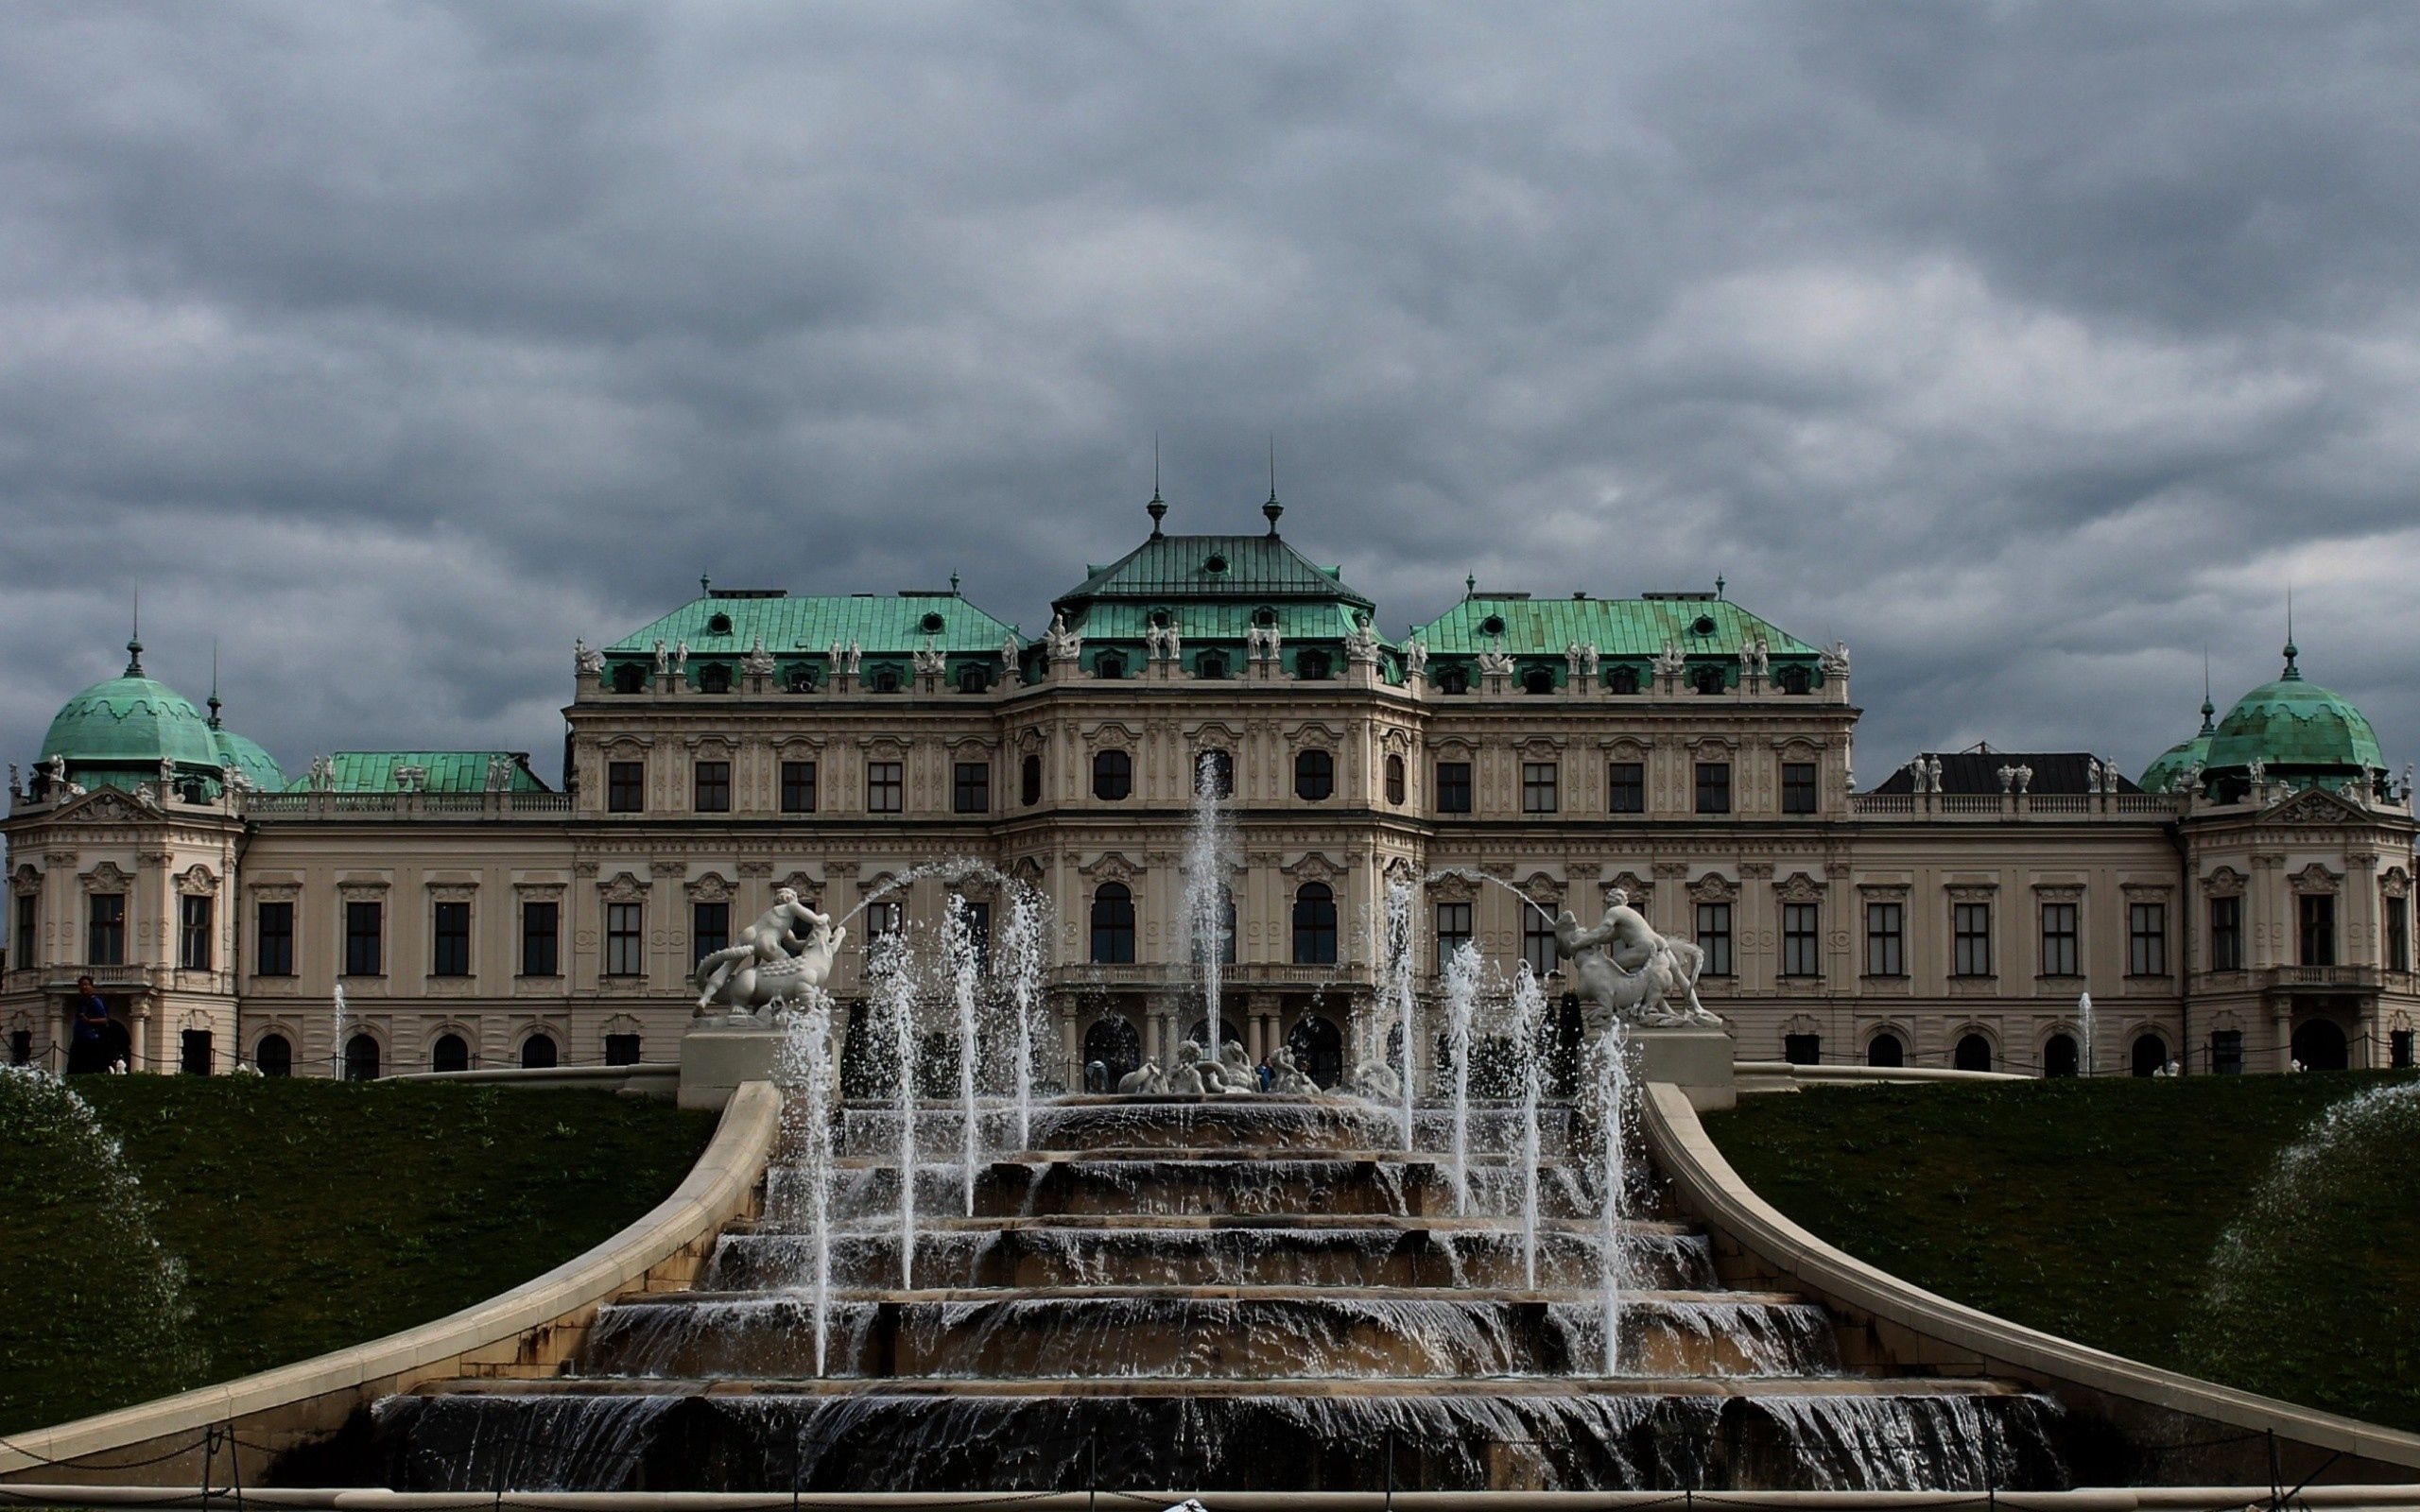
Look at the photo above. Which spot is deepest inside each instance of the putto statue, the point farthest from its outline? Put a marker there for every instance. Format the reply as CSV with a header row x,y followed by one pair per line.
x,y
758,662
1670,663
1625,969
789,949
1495,663
586,660
931,662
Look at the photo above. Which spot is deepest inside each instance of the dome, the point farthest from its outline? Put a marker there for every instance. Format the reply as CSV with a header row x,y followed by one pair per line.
x,y
2173,763
245,755
127,726
2294,727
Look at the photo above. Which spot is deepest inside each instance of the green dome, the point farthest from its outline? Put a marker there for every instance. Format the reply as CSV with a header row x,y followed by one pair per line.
x,y
2295,727
124,727
2172,764
245,754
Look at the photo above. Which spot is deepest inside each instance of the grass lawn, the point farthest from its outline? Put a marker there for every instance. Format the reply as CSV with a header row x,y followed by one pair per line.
x,y
268,1220
2263,1231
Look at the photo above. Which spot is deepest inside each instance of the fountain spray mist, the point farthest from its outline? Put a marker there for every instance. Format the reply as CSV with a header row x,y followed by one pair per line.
x,y
806,1077
1529,1018
1022,947
1461,996
893,967
1612,1089
1399,940
965,975
1210,859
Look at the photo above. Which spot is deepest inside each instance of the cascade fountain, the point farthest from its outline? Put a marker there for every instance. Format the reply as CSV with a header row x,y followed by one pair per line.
x,y
1528,1020
809,1082
965,971
894,993
1462,998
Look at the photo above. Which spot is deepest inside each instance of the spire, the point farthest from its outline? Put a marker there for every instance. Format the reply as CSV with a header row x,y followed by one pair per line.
x,y
953,586
215,705
1470,585
2208,706
1272,508
2291,673
1719,585
705,586
1158,508
134,639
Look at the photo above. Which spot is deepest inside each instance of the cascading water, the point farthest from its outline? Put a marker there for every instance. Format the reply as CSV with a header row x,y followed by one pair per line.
x,y
810,1081
1529,1019
965,976
1462,997
893,969
1611,1055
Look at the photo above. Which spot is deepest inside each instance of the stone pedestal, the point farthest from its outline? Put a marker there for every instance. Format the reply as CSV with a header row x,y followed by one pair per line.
x,y
717,1057
1696,1060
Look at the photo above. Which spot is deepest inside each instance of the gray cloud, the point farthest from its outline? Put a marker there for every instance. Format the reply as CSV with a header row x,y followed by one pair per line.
x,y
2030,348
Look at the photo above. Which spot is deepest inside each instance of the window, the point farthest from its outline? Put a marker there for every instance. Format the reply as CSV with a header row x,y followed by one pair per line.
x,y
1453,679
2227,933
1802,1049
1112,924
361,1058
2149,1055
1314,926
972,678
1970,926
273,939
1799,956
885,679
1314,775
622,940
2060,1057
1029,781
1714,937
979,932
1538,787
1453,930
1798,787
21,1047
709,929
1219,767
1793,682
2058,941
1707,680
1109,666
1886,1049
450,945
970,787
1622,679
1537,679
626,788
1885,932
1537,943
365,929
887,916
1211,665
105,930
630,678
1453,787
622,1049
800,678
886,787
193,1053
2147,939
450,1053
1974,1053
1714,787
538,1053
194,919
1112,775
1625,787
715,677
541,937
29,926
2226,1052
1311,666
710,787
1394,780
2398,1050
274,1056
2398,934
797,787
2318,916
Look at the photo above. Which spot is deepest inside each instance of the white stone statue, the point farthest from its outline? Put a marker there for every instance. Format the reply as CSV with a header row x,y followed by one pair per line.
x,y
232,779
1152,640
663,659
930,661
1932,773
1495,663
857,656
1571,660
1754,658
1260,642
1147,1079
168,771
1361,643
323,776
1589,659
499,774
14,786
1415,659
1011,649
1834,659
2407,779
758,662
1288,1079
789,949
1060,642
1669,662
1625,969
2008,778
1173,642
2092,774
2259,772
54,771
1234,1071
681,656
586,660
1187,1080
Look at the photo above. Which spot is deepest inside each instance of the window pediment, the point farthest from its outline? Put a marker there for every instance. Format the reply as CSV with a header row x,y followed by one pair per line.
x,y
622,888
1798,888
2316,878
2224,882
1713,888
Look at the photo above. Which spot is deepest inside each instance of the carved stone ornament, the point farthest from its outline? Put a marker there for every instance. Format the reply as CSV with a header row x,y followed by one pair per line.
x,y
1883,892
1314,867
756,868
710,888
2396,882
1109,866
1756,870
623,889
1713,888
1983,892
106,878
808,889
1641,891
1798,888
1671,870
1542,889
1452,888
2224,882
2313,806
26,879
2317,878
2145,892
2058,892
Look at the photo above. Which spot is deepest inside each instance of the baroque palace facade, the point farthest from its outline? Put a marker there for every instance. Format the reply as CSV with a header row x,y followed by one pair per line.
x,y
2251,909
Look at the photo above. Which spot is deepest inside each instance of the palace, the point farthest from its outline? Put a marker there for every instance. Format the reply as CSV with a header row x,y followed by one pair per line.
x,y
2245,907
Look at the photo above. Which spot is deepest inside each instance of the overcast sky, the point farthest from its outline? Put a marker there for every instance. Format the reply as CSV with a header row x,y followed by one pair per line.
x,y
2032,350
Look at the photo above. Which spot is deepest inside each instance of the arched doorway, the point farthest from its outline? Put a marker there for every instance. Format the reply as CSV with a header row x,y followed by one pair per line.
x,y
539,1053
2150,1053
1885,1049
1199,1033
274,1056
2320,1046
361,1058
450,1053
2060,1057
1974,1053
1111,1040
1319,1048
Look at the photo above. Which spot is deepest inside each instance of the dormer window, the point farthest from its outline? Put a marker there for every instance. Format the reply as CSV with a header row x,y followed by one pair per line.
x,y
1622,679
886,680
930,625
1263,616
1493,625
1109,665
1160,618
1703,625
1454,680
1537,679
1312,666
1708,680
630,678
718,624
800,678
973,678
1794,680
1210,665
714,677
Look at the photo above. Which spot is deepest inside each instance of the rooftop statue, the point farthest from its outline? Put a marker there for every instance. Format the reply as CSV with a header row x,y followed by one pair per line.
x,y
586,660
789,949
1625,969
1497,663
1415,658
1833,661
1361,644
931,662
758,662
1060,642
1011,649
1669,663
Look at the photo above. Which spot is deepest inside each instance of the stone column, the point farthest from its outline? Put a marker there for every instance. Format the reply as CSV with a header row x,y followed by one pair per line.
x,y
2284,1020
1070,1050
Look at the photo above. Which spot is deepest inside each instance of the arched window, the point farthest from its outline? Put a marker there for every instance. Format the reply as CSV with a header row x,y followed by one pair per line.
x,y
1109,666
450,1053
1217,768
274,1056
800,678
2151,1053
2059,1055
886,680
1538,680
2319,1045
974,678
1113,1044
1622,679
538,1052
1708,680
1311,666
1319,1048
1314,926
1884,1049
361,1058
1314,775
1211,665
1113,925
630,678
1394,780
1974,1053
714,677
1112,775
1794,680
1453,679
1030,780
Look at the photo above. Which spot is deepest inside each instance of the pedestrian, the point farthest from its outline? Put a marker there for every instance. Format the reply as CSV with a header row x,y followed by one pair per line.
x,y
88,1042
1267,1073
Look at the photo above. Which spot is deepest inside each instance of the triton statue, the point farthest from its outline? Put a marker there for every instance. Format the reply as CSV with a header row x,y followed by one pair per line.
x,y
790,949
1625,969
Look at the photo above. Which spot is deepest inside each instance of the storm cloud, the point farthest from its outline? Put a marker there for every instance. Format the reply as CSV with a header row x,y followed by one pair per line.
x,y
2032,350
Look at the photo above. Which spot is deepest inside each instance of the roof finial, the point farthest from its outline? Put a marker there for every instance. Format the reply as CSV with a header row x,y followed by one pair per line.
x,y
134,638
2207,708
1158,508
214,682
1272,508
1718,585
1470,584
953,585
705,586
2291,673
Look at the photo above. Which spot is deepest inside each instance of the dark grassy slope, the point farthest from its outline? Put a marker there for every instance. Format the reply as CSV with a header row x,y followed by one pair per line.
x,y
2151,1218
291,1217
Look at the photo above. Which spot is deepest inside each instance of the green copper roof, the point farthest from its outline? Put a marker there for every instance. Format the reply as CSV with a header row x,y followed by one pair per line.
x,y
1249,569
879,625
247,756
449,771
2171,764
1619,628
2294,725
1197,620
131,723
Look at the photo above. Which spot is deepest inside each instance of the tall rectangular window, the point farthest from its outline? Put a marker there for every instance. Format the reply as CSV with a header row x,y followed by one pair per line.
x,y
105,930
2318,913
2398,934
623,952
1625,787
886,787
886,916
2226,1052
1453,930
2147,939
1714,937
1538,787
797,787
1970,939
273,939
1800,956
970,787
1537,943
1798,787
193,1052
709,929
1714,787
710,787
365,931
978,933
1453,787
28,925
2058,940
2227,933
626,788
541,937
195,913
449,953
1886,935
